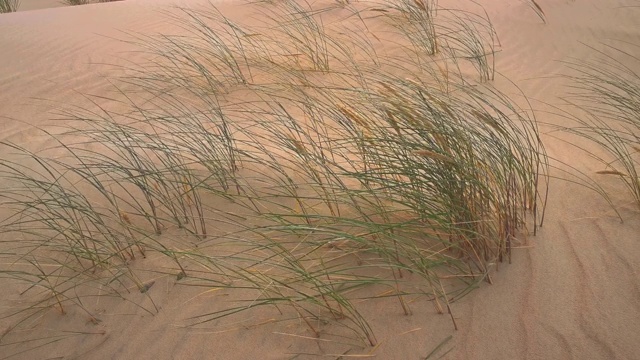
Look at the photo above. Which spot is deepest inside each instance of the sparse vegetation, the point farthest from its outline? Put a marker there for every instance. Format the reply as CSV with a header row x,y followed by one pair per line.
x,y
294,161
537,9
7,6
607,90
76,2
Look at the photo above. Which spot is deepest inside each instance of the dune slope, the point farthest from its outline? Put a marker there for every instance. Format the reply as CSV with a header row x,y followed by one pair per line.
x,y
571,292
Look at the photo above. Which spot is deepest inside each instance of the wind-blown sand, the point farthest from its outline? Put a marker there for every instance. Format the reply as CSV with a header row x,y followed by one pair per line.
x,y
572,291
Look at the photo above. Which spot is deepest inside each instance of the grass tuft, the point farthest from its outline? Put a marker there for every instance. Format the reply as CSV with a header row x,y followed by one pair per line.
x,y
607,90
304,164
7,6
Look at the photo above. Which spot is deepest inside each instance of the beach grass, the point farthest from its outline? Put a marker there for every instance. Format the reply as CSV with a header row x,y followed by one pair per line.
x,y
7,6
606,91
533,4
76,2
306,165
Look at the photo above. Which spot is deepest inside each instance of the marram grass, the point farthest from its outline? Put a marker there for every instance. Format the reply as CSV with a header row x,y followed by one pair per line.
x,y
7,6
296,161
606,92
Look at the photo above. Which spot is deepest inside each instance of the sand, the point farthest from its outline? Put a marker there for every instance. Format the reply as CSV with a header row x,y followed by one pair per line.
x,y
572,291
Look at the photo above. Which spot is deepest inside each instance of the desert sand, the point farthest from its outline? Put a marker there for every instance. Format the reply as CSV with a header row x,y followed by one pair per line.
x,y
571,292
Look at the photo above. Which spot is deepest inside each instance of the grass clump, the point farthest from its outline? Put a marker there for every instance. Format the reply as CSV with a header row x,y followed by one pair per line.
x,y
294,162
76,2
607,91
7,6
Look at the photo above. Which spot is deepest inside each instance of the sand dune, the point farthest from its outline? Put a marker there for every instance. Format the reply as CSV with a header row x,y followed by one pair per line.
x,y
571,292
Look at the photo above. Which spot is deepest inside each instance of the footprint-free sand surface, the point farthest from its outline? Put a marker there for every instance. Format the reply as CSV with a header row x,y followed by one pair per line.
x,y
571,292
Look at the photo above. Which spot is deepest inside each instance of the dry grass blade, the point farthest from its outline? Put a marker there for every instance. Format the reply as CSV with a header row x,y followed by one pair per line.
x,y
7,6
291,163
537,9
606,90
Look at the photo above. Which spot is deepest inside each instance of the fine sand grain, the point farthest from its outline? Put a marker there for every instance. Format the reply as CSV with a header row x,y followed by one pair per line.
x,y
570,292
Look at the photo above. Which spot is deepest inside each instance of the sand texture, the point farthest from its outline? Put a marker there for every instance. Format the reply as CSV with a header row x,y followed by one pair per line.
x,y
572,291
